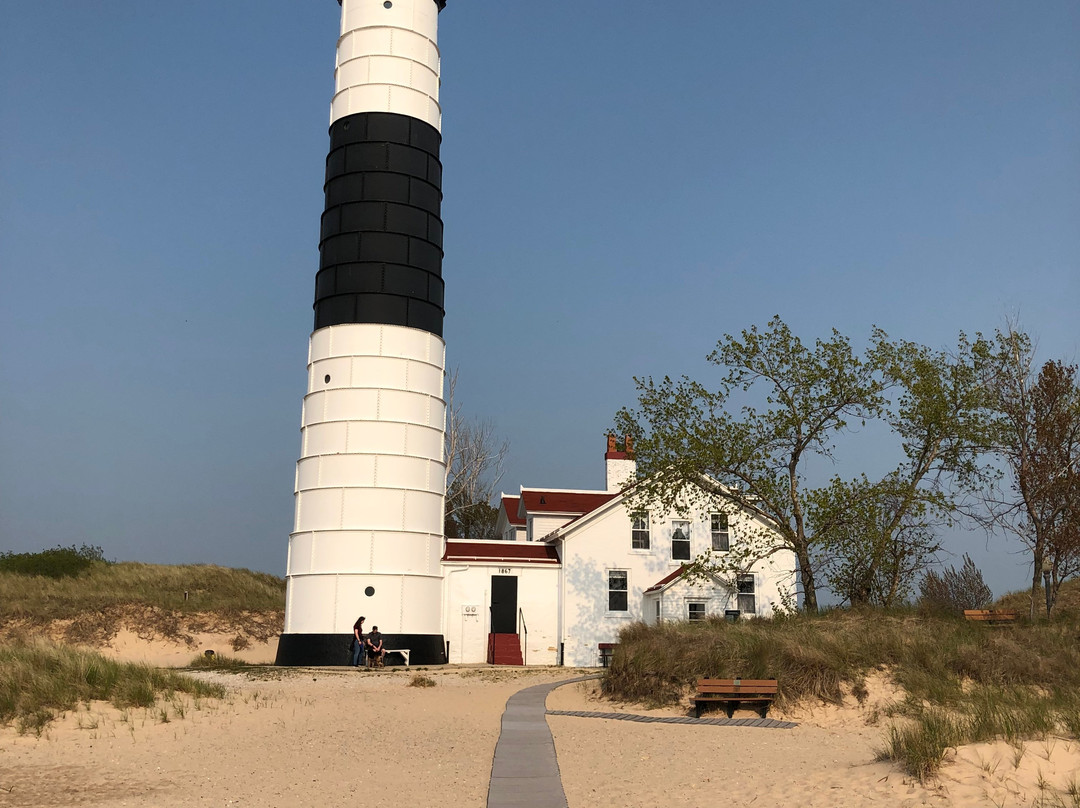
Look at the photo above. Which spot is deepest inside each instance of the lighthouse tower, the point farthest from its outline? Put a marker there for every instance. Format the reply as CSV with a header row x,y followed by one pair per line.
x,y
368,529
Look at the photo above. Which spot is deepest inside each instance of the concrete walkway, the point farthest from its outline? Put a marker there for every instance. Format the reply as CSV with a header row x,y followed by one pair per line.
x,y
525,771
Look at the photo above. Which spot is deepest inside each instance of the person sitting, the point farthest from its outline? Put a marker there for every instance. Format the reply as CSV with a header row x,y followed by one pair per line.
x,y
375,650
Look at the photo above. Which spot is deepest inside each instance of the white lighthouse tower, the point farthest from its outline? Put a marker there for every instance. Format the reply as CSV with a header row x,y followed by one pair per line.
x,y
368,529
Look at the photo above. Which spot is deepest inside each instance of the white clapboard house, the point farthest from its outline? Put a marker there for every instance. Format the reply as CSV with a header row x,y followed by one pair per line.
x,y
572,567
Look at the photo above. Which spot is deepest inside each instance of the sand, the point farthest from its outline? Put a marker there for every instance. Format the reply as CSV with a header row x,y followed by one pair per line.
x,y
324,736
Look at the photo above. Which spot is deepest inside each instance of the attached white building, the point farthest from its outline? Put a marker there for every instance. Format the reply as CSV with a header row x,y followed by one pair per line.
x,y
573,567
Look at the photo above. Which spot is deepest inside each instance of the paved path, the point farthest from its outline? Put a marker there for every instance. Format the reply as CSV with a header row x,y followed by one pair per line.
x,y
525,771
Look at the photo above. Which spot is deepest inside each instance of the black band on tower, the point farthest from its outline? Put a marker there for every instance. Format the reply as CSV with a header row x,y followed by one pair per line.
x,y
381,242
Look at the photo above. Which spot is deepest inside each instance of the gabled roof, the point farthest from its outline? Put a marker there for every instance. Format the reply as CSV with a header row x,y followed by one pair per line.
x,y
667,579
573,502
510,506
498,551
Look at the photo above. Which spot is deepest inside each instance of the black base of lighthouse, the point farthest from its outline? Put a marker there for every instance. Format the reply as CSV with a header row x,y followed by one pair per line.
x,y
321,650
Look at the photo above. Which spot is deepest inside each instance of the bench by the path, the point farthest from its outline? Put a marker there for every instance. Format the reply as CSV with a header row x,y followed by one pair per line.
x,y
992,616
732,692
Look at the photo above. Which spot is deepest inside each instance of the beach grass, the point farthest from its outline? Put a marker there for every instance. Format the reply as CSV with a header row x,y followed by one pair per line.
x,y
154,599
965,682
40,680
218,662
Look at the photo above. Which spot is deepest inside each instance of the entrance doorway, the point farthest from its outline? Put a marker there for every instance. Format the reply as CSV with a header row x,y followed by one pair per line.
x,y
504,604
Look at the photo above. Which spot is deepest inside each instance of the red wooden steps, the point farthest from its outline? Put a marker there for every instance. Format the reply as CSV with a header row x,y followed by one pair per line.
x,y
504,649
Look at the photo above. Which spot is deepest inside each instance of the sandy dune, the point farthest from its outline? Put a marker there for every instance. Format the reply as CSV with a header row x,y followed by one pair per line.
x,y
320,737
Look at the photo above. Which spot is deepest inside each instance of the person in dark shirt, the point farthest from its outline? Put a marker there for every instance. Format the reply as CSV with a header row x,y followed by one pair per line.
x,y
375,649
358,649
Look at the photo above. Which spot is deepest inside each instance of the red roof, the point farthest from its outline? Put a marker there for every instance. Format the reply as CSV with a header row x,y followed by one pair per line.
x,y
578,502
667,579
510,505
514,551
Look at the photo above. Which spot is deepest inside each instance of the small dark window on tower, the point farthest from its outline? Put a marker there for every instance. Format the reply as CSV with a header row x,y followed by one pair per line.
x,y
369,591
326,378
387,4
543,501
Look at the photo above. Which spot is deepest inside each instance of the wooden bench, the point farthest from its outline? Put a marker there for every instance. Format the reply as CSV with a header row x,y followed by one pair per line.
x,y
403,651
733,692
991,616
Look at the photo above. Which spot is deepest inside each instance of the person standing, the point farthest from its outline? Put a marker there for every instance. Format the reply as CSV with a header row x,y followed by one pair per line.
x,y
358,651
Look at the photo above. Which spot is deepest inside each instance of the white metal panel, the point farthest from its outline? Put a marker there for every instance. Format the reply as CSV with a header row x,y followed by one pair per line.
x,y
349,405
336,471
422,441
338,369
385,373
426,378
422,510
408,473
409,408
319,509
372,509
411,343
300,553
389,552
376,438
325,438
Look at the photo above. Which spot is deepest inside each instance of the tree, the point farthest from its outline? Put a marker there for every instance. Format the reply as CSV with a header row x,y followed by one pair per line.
x,y
876,537
691,448
474,466
869,538
1037,436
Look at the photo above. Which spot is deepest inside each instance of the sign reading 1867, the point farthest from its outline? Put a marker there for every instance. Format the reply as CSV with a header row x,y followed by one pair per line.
x,y
504,570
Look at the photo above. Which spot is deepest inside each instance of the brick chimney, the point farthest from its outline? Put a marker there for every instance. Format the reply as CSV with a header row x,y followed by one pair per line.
x,y
619,464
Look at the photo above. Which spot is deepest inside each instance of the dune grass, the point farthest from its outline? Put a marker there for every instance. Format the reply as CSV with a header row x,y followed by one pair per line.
x,y
218,662
40,680
154,599
965,682
103,585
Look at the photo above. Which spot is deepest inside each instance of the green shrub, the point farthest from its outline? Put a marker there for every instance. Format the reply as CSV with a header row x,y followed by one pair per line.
x,y
59,562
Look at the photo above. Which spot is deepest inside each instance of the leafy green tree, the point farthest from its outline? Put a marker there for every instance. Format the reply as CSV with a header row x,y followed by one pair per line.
x,y
877,536
693,449
698,448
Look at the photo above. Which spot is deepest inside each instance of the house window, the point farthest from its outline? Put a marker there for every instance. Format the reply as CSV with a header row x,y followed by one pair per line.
x,y
616,598
680,541
720,535
658,615
747,599
695,611
639,532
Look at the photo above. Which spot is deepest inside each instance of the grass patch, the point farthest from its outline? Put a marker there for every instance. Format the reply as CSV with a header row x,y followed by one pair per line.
x,y
419,680
218,662
156,600
40,680
965,682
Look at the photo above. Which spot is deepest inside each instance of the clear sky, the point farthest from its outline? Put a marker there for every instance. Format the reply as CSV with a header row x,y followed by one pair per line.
x,y
624,182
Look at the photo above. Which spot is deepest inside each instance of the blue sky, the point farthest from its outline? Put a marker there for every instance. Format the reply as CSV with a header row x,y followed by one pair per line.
x,y
623,184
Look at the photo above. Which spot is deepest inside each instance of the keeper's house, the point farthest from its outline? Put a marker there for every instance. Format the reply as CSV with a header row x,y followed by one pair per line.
x,y
573,567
